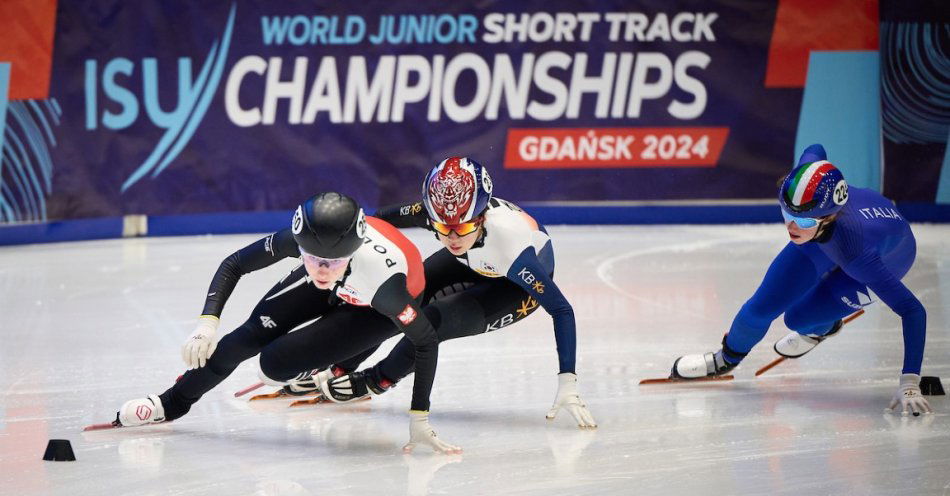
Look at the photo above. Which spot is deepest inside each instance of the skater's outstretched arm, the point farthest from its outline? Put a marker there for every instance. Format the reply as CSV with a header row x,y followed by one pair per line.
x,y
255,256
262,253
528,272
870,270
394,301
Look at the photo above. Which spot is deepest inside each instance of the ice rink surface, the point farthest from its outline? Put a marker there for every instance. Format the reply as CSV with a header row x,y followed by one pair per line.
x,y
88,325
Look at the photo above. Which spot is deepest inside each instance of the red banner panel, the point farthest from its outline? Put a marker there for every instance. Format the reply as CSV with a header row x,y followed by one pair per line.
x,y
614,147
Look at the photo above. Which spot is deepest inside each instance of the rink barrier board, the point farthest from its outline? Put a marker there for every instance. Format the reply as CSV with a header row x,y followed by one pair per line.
x,y
258,222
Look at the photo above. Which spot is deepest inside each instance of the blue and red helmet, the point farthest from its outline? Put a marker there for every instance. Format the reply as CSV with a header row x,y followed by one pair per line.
x,y
456,191
815,188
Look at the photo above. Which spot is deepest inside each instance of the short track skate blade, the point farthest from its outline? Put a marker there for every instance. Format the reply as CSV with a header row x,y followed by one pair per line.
x,y
769,366
248,389
321,399
671,380
280,394
113,425
312,401
102,427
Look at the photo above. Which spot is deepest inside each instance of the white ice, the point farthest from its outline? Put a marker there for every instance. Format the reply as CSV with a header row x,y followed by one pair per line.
x,y
86,326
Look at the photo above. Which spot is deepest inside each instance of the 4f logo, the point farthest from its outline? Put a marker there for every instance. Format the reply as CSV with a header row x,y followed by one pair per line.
x,y
268,322
194,96
529,278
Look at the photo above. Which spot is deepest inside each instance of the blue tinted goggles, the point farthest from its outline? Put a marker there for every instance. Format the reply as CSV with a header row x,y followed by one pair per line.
x,y
801,222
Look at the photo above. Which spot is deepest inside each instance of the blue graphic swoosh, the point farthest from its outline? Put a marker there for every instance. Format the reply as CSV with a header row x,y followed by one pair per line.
x,y
213,64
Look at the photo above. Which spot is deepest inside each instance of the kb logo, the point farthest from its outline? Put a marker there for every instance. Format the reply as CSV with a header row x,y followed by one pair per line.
x,y
194,96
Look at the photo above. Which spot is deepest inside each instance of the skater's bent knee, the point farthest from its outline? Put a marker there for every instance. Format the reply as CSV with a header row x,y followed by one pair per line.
x,y
273,368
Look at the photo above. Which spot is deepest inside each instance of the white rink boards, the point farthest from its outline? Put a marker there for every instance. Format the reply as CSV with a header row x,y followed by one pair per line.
x,y
88,325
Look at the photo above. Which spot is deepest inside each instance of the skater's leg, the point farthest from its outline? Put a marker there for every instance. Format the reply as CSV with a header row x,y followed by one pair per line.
x,y
487,306
834,298
791,275
288,304
344,332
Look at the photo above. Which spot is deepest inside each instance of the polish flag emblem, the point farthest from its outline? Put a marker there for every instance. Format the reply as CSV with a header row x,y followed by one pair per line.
x,y
407,315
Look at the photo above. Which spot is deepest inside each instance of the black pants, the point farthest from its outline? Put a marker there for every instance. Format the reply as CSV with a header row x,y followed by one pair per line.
x,y
344,335
459,302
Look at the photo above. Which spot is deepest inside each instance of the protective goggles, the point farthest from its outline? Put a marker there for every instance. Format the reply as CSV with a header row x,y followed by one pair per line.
x,y
801,222
462,229
330,263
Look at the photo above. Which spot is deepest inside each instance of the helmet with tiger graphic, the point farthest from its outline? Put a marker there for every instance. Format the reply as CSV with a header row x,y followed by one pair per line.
x,y
456,191
815,188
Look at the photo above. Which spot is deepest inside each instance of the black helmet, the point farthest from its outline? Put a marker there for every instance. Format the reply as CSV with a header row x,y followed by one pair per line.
x,y
329,225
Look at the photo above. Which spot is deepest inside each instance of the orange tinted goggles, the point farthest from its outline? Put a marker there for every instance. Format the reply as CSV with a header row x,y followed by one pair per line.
x,y
462,229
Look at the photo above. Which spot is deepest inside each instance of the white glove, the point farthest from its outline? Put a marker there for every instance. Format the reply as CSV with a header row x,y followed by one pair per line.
x,y
201,344
420,432
909,397
568,398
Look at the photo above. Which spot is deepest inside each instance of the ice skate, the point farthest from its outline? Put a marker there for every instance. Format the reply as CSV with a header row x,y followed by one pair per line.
x,y
304,384
794,345
701,366
355,386
141,411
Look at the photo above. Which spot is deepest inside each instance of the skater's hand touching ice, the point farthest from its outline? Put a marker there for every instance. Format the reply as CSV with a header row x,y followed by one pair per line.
x,y
568,399
420,432
909,397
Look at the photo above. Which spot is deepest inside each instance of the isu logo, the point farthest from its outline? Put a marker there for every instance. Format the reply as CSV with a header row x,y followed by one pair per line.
x,y
407,315
143,412
126,95
268,322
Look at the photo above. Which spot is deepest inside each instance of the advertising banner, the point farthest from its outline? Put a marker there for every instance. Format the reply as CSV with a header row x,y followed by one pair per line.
x,y
177,107
180,107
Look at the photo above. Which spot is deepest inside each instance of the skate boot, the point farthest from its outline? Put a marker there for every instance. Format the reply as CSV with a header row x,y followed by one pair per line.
x,y
141,411
357,385
707,364
794,345
701,365
309,382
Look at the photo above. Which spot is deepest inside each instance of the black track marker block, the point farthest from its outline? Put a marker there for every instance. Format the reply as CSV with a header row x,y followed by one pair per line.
x,y
59,450
931,386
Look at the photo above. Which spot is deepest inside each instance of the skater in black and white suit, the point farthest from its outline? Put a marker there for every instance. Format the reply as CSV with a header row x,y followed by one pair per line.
x,y
360,277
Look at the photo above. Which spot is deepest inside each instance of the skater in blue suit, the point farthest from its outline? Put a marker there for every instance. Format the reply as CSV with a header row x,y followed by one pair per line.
x,y
844,241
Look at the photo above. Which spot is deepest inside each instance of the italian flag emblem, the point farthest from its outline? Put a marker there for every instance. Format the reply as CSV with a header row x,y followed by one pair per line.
x,y
802,188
